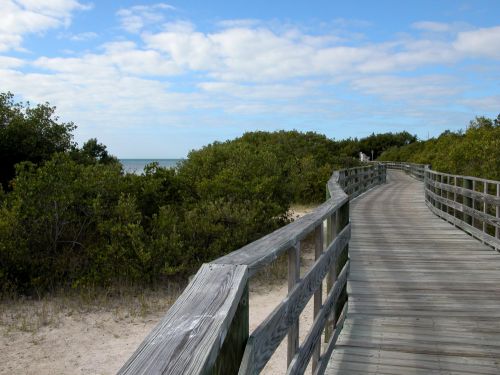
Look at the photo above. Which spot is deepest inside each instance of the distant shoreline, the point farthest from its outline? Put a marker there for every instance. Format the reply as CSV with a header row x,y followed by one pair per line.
x,y
137,165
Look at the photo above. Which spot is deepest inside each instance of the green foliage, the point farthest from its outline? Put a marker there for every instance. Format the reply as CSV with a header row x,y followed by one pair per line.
x,y
377,143
281,167
475,152
93,152
72,217
29,134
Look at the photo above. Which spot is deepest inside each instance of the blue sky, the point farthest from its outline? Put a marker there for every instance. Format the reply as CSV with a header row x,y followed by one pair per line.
x,y
155,80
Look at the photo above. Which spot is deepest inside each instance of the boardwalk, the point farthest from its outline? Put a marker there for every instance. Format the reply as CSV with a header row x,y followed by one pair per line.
x,y
424,297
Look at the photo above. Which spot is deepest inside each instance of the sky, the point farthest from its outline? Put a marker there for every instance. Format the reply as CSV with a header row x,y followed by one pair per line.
x,y
158,79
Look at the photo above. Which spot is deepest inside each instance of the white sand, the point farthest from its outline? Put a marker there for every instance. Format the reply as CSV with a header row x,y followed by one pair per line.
x,y
57,339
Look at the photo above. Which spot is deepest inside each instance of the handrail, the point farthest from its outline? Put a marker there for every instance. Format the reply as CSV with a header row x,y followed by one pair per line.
x,y
206,331
413,169
470,203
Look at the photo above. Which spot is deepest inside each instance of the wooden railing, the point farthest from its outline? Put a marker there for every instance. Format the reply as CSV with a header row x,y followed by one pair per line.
x,y
415,170
206,331
470,203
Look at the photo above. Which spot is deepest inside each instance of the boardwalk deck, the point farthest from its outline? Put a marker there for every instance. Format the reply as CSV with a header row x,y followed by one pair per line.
x,y
424,297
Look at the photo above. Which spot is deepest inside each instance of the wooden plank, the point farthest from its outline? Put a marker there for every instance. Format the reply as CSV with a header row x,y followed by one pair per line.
x,y
301,359
269,334
416,360
231,353
325,358
467,191
188,338
318,296
481,215
265,250
486,238
423,295
293,279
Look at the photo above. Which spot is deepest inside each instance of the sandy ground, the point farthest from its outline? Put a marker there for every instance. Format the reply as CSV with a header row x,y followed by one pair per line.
x,y
59,336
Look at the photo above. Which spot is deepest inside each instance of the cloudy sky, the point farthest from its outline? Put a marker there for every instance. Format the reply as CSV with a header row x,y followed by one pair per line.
x,y
156,80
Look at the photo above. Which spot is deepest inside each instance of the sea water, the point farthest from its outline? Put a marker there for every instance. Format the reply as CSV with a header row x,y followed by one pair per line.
x,y
137,165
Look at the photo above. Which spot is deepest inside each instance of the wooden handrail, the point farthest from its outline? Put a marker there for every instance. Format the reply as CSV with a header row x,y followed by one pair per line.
x,y
470,203
206,331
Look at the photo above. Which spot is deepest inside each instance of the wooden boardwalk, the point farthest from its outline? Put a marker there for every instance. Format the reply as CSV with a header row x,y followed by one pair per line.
x,y
424,297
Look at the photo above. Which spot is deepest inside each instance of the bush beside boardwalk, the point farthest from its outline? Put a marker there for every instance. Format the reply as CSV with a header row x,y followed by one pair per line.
x,y
473,152
70,216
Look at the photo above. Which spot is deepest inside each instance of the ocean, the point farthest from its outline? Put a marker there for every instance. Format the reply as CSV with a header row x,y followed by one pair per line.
x,y
137,165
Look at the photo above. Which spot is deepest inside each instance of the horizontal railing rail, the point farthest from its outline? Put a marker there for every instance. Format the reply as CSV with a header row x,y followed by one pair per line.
x,y
413,169
206,331
470,203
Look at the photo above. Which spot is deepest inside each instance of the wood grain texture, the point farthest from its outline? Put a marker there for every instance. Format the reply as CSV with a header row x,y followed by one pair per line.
x,y
269,334
293,279
188,339
476,195
260,253
301,359
263,251
481,215
423,295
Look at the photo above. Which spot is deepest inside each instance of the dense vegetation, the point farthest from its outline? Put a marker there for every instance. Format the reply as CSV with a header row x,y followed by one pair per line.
x,y
70,216
475,152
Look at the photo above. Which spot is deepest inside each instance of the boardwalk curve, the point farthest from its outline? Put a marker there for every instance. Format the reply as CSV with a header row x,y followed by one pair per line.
x,y
424,297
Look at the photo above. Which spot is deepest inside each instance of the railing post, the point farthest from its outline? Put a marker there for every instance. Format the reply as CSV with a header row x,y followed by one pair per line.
x,y
497,230
485,191
332,274
318,250
231,353
293,278
467,184
448,193
473,202
455,195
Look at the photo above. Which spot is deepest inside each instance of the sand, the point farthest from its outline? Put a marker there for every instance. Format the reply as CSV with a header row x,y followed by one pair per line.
x,y
57,336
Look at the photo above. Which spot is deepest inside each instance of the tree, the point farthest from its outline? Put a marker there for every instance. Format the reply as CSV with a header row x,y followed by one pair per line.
x,y
93,152
29,134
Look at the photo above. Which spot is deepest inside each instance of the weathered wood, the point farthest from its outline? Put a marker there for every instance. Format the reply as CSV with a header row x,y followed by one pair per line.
x,y
332,275
326,357
231,352
476,195
205,330
265,250
497,230
301,360
182,345
480,215
495,243
318,296
269,334
424,297
293,279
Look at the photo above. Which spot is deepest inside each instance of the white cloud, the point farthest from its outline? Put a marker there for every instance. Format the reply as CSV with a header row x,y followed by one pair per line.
x,y
118,57
480,42
408,89
437,27
258,92
489,103
173,71
21,17
135,18
7,62
256,53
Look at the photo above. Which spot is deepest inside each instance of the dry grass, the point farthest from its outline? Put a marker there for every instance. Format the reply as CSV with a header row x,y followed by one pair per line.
x,y
30,314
